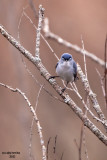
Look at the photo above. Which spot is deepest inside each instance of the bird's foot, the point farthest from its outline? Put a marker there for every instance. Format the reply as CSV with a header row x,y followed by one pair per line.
x,y
75,79
63,90
52,77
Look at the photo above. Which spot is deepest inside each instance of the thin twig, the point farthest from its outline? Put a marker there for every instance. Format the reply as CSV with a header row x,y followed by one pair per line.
x,y
38,97
62,155
76,144
84,139
84,56
81,140
79,147
84,142
54,148
48,147
31,3
101,80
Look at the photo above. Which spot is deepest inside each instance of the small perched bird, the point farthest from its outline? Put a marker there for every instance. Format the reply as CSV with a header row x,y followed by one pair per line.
x,y
66,69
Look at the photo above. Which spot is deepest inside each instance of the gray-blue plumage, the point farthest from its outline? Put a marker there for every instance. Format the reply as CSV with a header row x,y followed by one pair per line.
x,y
66,68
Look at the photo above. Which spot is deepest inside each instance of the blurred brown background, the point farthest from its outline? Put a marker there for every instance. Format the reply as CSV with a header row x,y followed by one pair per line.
x,y
69,19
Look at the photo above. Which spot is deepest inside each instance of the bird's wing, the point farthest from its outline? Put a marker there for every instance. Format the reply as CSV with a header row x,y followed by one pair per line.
x,y
75,70
56,65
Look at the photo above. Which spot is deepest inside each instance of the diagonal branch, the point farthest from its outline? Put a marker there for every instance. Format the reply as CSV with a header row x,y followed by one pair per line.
x,y
57,88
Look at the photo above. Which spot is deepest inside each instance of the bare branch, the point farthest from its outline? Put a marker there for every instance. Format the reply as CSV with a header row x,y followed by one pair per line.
x,y
76,48
41,16
53,83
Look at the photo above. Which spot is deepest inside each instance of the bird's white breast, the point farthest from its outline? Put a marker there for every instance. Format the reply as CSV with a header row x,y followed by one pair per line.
x,y
65,71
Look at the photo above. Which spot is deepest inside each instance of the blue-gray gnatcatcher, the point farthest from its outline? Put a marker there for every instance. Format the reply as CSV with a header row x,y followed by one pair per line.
x,y
66,69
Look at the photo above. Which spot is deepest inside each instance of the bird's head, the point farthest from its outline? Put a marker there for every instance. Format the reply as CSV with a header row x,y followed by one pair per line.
x,y
66,57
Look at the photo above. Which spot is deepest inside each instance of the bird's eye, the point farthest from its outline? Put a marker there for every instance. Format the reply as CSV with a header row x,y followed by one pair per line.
x,y
63,59
70,58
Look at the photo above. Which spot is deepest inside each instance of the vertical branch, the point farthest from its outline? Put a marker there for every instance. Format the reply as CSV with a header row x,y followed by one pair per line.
x,y
83,50
82,127
41,16
105,73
